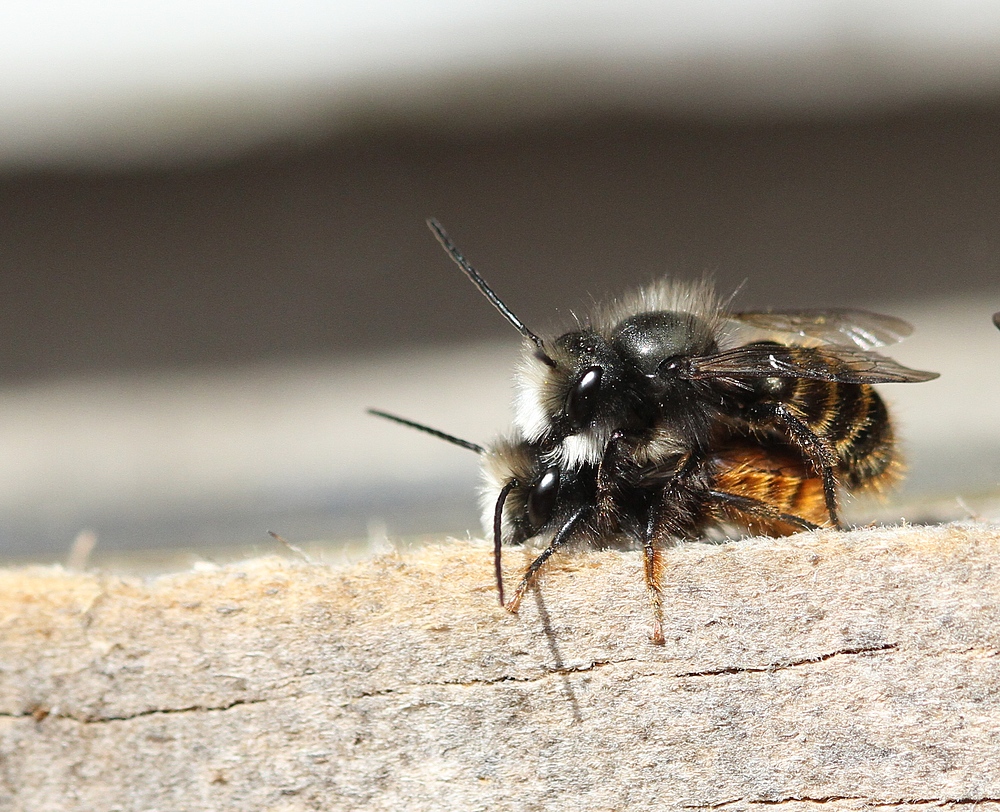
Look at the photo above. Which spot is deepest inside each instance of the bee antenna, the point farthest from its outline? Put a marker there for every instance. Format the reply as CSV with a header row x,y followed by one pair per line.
x,y
442,237
497,530
428,430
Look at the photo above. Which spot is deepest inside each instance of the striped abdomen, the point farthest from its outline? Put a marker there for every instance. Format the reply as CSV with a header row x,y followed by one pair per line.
x,y
852,419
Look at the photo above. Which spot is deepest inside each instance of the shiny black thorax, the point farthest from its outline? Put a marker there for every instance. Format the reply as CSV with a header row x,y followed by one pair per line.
x,y
624,380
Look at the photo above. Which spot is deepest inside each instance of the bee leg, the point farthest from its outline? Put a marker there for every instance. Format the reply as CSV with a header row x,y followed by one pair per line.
x,y
652,559
816,449
755,507
561,537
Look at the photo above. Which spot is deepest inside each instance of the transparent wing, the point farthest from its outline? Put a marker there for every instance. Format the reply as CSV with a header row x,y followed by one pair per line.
x,y
861,328
829,363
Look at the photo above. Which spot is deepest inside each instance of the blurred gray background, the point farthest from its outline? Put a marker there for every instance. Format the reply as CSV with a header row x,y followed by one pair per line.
x,y
213,252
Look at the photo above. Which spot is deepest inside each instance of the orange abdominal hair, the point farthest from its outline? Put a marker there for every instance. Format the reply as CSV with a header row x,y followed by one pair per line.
x,y
776,478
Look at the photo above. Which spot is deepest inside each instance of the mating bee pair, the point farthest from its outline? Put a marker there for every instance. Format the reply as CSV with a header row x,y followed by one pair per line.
x,y
666,414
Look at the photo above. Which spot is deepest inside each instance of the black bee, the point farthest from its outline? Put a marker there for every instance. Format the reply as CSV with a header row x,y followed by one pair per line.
x,y
676,373
667,415
529,495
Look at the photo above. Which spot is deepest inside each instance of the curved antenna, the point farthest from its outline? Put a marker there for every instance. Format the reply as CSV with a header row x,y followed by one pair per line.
x,y
442,237
497,529
428,430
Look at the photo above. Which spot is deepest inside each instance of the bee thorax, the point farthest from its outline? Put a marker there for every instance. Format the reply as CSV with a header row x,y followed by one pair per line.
x,y
647,339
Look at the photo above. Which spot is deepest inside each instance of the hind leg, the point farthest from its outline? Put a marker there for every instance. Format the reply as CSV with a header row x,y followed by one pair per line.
x,y
815,449
652,559
754,507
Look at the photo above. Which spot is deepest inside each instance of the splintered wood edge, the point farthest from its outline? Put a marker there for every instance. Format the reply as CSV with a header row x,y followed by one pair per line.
x,y
847,663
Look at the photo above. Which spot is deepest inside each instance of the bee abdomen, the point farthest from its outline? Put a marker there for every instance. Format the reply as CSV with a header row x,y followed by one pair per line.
x,y
868,458
776,477
853,420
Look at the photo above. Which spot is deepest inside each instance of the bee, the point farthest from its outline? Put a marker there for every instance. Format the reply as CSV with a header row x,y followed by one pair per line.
x,y
667,368
530,495
667,415
996,320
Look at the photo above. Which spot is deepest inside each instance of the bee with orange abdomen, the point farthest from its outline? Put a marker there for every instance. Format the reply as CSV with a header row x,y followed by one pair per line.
x,y
671,364
529,496
666,415
755,488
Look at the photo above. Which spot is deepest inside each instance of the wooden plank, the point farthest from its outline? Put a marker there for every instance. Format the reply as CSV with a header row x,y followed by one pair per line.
x,y
834,669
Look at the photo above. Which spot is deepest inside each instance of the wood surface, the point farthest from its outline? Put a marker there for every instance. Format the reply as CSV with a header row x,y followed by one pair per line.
x,y
826,670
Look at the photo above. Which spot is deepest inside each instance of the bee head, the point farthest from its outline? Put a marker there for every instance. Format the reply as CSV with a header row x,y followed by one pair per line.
x,y
535,492
578,395
590,385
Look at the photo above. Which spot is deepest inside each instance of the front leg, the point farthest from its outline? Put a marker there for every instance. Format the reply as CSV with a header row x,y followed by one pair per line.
x,y
564,534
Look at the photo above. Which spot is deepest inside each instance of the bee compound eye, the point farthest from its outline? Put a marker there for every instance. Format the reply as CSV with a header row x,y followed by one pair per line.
x,y
670,366
542,498
582,398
